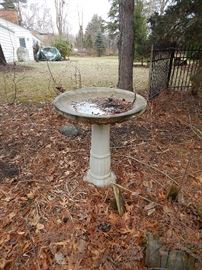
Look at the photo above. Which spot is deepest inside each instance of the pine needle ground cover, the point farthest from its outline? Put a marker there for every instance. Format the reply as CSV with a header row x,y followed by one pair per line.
x,y
51,219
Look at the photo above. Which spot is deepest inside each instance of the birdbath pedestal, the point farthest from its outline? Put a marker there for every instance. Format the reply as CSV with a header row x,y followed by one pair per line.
x,y
100,107
99,172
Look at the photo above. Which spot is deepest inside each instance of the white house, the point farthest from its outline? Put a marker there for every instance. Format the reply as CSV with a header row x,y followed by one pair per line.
x,y
13,36
8,41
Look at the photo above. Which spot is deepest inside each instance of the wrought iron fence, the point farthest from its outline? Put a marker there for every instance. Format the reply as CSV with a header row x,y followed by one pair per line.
x,y
173,68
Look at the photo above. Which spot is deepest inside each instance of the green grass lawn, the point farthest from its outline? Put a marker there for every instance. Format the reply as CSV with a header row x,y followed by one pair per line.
x,y
35,83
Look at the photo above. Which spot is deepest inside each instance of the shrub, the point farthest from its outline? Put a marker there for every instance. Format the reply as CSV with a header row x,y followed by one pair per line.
x,y
64,47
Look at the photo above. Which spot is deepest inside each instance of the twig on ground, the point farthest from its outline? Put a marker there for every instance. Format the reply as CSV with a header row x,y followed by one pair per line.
x,y
31,181
186,168
154,168
188,251
195,130
142,197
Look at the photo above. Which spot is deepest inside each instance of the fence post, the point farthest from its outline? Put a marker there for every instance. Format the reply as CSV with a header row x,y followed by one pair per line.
x,y
170,66
150,71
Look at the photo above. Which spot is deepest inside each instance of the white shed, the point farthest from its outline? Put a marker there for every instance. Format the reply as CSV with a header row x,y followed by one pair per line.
x,y
13,36
8,43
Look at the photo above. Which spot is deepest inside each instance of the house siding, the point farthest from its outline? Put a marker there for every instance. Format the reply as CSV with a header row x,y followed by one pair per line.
x,y
20,32
8,42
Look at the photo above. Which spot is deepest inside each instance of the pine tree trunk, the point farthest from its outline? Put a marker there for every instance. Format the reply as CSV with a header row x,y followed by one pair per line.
x,y
126,44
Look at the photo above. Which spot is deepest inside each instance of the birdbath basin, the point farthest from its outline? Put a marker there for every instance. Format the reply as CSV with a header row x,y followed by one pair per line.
x,y
100,107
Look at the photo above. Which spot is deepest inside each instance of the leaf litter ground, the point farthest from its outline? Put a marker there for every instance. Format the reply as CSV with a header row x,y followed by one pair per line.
x,y
51,219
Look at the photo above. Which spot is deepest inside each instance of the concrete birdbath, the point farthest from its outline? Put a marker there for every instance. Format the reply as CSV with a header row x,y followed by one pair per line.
x,y
100,107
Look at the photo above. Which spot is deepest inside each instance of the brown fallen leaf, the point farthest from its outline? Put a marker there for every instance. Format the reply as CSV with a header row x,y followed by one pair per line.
x,y
12,215
151,211
150,206
39,227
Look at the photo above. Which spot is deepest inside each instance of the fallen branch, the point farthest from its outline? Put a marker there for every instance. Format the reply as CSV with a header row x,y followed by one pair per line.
x,y
142,197
186,168
154,168
195,130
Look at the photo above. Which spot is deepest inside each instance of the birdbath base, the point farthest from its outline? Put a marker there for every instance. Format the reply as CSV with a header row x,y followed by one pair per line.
x,y
100,173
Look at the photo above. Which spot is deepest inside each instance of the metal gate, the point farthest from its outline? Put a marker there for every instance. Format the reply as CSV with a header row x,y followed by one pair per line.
x,y
172,68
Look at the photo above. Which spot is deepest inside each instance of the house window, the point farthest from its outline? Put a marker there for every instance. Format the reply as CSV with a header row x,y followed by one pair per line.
x,y
22,42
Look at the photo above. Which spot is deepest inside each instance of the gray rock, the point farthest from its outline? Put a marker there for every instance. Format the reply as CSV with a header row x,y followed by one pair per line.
x,y
22,54
158,257
69,130
152,252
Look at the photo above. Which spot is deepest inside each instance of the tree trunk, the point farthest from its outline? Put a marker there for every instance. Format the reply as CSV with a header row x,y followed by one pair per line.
x,y
126,44
60,7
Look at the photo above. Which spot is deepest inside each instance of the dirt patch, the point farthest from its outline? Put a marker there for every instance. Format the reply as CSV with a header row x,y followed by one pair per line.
x,y
121,133
8,170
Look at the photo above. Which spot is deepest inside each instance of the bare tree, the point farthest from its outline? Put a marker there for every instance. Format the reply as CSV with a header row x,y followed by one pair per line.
x,y
61,16
126,44
44,21
37,16
80,37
